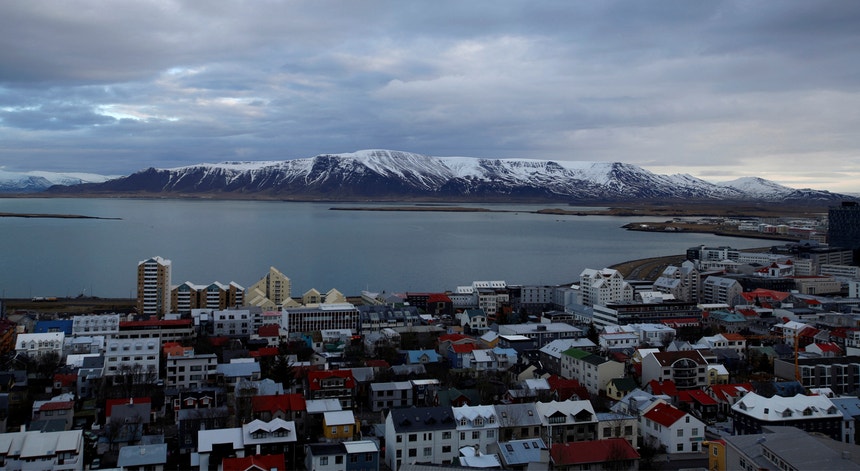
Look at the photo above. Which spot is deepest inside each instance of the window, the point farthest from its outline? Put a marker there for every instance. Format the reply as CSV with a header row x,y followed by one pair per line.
x,y
462,435
491,433
353,458
680,432
446,449
338,460
715,450
324,460
476,435
413,452
334,430
695,431
446,435
346,429
428,451
413,437
680,447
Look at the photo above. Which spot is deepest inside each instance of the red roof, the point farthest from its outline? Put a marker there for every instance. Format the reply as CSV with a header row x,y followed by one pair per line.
x,y
828,347
730,336
463,348
697,395
666,387
315,377
110,403
665,414
453,337
269,330
279,402
66,379
376,363
438,298
725,391
765,294
256,462
265,352
595,451
58,405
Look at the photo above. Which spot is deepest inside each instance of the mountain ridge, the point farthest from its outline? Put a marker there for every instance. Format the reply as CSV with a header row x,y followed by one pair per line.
x,y
387,175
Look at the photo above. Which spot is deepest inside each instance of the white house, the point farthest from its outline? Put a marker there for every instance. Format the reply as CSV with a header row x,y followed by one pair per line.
x,y
420,435
38,345
662,424
477,426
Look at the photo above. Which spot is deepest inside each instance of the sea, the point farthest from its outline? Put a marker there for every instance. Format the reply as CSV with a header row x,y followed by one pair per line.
x,y
314,245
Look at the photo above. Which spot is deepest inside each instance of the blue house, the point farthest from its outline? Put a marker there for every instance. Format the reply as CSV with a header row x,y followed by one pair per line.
x,y
415,357
57,325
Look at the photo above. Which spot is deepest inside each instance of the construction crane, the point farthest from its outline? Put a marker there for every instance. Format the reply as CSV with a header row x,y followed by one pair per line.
x,y
794,337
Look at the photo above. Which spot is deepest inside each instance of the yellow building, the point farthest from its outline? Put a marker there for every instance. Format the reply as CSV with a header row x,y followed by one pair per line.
x,y
272,291
339,425
716,450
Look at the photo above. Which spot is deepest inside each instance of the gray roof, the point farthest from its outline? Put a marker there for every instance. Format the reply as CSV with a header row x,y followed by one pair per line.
x,y
421,419
793,446
519,452
517,415
142,455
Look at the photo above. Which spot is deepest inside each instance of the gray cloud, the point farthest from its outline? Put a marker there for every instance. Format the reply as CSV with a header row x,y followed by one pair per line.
x,y
715,89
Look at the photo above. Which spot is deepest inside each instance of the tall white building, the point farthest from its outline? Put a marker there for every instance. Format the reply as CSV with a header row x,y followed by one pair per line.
x,y
153,286
604,287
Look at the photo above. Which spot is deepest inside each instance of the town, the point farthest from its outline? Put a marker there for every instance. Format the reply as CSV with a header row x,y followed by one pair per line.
x,y
731,359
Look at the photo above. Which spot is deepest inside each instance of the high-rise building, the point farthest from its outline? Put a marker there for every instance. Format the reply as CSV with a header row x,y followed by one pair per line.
x,y
843,227
271,292
153,286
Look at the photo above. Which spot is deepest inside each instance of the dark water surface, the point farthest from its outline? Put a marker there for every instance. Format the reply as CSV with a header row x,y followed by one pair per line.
x,y
314,246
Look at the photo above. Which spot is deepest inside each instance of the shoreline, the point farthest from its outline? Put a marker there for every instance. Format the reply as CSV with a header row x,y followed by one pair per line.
x,y
53,216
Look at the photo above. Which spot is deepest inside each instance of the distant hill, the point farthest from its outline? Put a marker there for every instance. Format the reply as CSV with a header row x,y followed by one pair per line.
x,y
386,175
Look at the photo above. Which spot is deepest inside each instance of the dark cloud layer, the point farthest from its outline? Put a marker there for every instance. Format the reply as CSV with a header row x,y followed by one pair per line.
x,y
716,89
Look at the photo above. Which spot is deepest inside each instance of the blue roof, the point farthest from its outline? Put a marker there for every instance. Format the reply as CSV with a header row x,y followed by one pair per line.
x,y
414,356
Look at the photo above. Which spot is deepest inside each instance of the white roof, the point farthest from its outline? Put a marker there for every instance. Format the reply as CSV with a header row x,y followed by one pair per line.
x,y
482,355
207,438
779,409
344,417
361,446
316,406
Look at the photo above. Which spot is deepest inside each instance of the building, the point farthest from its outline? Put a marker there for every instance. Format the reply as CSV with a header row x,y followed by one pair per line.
x,y
811,413
662,424
339,425
542,333
60,451
687,369
594,372
654,311
320,317
718,289
36,346
779,449
603,287
91,325
841,374
153,287
420,435
843,227
188,296
477,426
332,384
138,358
681,282
390,395
190,371
567,421
271,292
609,454
359,455
142,457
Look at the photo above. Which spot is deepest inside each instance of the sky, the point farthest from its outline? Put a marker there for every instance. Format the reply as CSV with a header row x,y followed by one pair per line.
x,y
715,89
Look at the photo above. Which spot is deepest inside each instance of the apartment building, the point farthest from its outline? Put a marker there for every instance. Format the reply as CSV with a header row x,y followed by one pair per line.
x,y
810,413
718,289
567,421
153,287
681,282
188,296
421,435
190,371
36,346
60,451
271,292
594,372
132,356
321,317
92,325
841,374
603,287
165,330
687,369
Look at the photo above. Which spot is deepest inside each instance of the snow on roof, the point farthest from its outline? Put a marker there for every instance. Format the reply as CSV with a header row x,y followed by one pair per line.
x,y
779,409
344,417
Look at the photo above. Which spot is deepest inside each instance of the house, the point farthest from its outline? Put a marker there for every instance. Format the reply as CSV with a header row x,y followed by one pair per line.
x,y
664,425
609,454
360,455
617,388
332,384
36,346
255,463
42,450
717,374
416,357
142,457
567,421
217,443
726,395
824,349
617,425
520,454
518,421
811,413
339,425
477,426
420,434
394,394
550,354
688,369
592,371
473,321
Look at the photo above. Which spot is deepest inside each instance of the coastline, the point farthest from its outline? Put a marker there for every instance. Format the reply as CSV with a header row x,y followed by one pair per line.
x,y
53,216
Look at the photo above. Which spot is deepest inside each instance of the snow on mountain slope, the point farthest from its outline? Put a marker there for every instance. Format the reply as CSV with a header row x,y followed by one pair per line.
x,y
378,174
36,181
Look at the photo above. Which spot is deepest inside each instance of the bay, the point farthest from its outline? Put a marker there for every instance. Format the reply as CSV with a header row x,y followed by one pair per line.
x,y
351,251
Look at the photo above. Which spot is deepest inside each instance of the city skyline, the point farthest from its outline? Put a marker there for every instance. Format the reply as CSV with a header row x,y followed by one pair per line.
x,y
719,90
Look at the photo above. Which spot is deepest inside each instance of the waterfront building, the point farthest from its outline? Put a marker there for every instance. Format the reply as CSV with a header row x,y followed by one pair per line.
x,y
682,282
153,286
603,287
324,316
271,292
188,296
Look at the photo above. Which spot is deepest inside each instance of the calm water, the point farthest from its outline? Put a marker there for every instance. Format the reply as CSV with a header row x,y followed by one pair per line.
x,y
317,248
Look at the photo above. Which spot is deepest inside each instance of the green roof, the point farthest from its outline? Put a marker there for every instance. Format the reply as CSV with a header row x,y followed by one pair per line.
x,y
576,353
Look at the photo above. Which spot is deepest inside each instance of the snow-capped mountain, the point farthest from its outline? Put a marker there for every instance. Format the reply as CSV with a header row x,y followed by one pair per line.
x,y
31,182
394,175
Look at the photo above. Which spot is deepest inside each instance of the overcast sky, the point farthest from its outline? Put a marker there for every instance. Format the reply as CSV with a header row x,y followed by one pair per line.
x,y
716,89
